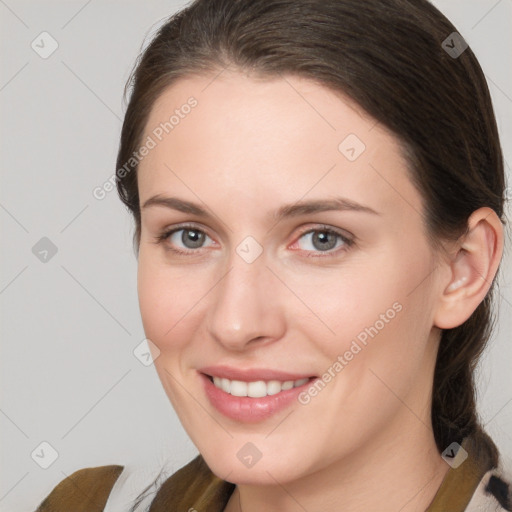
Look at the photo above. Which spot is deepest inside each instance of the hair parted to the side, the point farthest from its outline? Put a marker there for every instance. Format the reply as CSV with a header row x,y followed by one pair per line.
x,y
387,56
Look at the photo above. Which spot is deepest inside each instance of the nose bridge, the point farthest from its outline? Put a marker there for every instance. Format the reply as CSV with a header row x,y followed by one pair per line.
x,y
242,307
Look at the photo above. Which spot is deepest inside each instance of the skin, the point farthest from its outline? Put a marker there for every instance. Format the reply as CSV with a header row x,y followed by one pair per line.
x,y
249,147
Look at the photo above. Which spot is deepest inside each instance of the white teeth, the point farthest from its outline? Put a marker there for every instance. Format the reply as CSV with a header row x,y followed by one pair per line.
x,y
256,389
238,388
273,387
287,385
226,385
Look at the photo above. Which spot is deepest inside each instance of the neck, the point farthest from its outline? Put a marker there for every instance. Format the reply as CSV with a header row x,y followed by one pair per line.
x,y
393,472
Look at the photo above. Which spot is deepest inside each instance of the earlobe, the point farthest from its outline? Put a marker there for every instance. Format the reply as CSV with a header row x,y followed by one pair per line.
x,y
472,270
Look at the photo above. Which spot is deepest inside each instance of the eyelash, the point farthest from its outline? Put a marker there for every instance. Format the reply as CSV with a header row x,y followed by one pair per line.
x,y
348,242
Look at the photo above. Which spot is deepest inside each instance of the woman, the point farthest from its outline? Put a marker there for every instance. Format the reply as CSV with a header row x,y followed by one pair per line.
x,y
317,189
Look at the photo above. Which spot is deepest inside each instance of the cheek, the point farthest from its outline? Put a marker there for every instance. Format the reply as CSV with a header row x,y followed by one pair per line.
x,y
163,301
172,298
355,302
387,348
153,300
165,307
375,310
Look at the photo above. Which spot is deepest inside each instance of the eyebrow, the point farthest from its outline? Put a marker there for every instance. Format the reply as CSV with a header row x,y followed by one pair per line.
x,y
286,211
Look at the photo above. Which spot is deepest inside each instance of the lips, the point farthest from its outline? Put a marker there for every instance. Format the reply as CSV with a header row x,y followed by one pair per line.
x,y
251,395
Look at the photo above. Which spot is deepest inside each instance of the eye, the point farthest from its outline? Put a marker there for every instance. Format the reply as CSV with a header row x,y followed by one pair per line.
x,y
189,236
187,239
323,239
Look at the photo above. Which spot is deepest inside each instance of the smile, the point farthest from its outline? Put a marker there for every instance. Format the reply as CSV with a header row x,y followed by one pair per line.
x,y
251,401
255,389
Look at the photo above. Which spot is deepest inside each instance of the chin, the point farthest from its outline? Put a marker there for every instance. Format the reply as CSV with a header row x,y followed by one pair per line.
x,y
232,461
262,473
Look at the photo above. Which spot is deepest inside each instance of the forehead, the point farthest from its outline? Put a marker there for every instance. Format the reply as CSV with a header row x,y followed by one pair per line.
x,y
270,140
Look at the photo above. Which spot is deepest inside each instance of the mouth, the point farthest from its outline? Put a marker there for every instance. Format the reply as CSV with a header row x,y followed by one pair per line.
x,y
256,400
256,388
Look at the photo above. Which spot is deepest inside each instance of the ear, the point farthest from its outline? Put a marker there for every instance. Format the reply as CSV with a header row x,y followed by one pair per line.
x,y
471,270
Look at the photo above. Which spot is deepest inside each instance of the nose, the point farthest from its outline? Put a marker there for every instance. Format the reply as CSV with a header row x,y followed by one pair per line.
x,y
247,310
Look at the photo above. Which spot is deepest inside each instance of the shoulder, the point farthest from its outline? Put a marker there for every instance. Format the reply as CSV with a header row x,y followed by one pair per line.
x,y
161,488
494,492
85,490
195,487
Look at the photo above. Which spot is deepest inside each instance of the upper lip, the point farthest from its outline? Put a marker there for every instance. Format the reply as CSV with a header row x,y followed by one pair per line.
x,y
251,374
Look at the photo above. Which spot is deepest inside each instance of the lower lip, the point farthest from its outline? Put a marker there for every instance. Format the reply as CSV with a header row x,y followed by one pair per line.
x,y
247,409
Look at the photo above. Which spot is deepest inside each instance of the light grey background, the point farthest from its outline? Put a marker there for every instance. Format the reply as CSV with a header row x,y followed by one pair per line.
x,y
69,326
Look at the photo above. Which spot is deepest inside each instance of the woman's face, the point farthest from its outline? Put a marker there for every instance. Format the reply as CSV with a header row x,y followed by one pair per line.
x,y
305,261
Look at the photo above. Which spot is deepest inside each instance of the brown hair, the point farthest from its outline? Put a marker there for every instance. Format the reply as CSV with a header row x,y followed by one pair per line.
x,y
388,56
